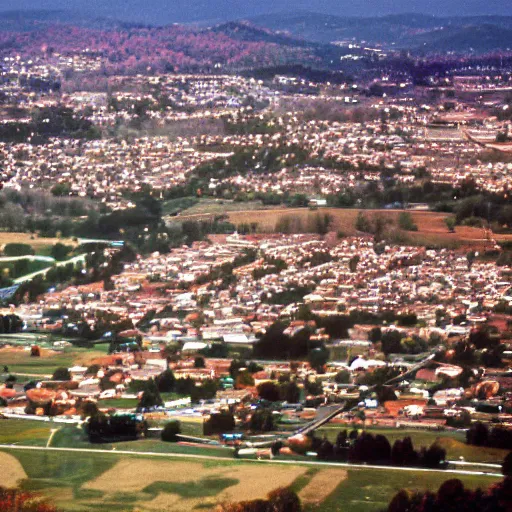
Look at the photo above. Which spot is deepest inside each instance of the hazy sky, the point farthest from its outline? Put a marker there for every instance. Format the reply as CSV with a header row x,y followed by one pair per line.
x,y
167,11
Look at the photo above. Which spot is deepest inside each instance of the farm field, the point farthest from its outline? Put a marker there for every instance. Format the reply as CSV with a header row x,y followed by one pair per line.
x,y
26,432
84,482
207,207
41,245
432,229
19,360
452,442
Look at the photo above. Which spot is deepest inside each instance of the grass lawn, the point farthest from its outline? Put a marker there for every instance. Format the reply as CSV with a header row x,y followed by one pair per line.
x,y
452,442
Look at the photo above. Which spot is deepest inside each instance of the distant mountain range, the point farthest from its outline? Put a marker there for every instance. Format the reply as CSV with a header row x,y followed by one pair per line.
x,y
417,33
414,32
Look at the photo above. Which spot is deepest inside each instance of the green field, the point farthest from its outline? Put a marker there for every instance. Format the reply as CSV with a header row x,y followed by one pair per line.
x,y
371,490
19,361
194,206
87,482
25,432
452,442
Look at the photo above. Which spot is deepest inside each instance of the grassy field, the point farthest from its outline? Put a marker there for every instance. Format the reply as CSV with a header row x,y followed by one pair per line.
x,y
432,229
42,246
452,442
207,207
96,481
19,360
371,490
431,226
26,432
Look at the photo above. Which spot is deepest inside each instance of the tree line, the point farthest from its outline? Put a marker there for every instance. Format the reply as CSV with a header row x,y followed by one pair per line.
x,y
376,449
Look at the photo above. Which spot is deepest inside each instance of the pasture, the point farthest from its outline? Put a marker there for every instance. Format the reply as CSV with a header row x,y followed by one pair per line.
x,y
41,246
19,361
90,481
432,229
453,442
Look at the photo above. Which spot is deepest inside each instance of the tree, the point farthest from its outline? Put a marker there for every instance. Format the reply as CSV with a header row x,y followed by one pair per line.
x,y
406,222
269,391
61,374
477,434
289,392
16,500
506,468
262,420
15,249
342,377
171,431
60,251
88,409
314,388
318,357
199,362
244,379
166,381
450,224
391,342
375,335
363,224
353,262
219,423
284,500
150,396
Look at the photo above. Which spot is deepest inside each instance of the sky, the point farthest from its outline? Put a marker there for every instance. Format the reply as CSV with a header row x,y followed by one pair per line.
x,y
169,11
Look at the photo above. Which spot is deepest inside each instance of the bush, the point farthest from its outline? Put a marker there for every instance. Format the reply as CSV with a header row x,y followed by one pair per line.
x,y
171,431
61,374
269,391
35,351
406,222
60,251
262,420
342,377
166,381
506,468
18,250
219,423
199,362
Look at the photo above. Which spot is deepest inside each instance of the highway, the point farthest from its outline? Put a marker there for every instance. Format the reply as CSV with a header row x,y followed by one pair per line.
x,y
345,465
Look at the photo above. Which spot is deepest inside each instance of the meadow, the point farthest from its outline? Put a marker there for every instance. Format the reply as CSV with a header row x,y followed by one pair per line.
x,y
432,230
89,481
452,441
42,246
19,361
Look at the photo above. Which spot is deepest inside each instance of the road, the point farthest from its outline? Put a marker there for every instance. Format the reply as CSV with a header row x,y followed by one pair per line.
x,y
52,261
234,460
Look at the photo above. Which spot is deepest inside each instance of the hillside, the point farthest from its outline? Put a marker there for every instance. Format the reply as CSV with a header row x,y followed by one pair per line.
x,y
420,33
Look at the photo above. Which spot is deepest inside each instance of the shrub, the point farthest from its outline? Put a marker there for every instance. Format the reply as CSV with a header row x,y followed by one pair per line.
x,y
406,222
171,431
219,423
61,374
